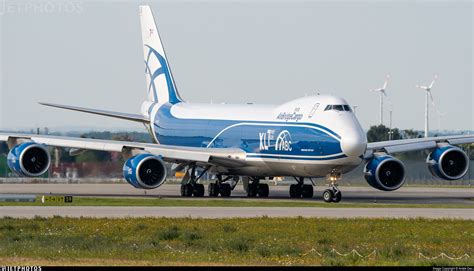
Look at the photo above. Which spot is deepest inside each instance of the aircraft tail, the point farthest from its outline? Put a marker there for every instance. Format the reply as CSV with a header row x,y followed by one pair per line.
x,y
160,83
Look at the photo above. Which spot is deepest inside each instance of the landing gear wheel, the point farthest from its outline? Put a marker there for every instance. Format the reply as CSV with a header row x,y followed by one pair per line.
x,y
295,191
328,195
337,196
292,191
307,191
213,190
225,190
182,190
252,193
189,185
186,190
252,190
198,190
263,190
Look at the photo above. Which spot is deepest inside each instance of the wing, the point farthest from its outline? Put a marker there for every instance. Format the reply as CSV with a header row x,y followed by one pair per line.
x,y
119,115
405,145
227,157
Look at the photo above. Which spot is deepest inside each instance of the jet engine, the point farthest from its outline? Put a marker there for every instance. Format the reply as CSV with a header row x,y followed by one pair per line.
x,y
448,162
384,172
145,171
29,159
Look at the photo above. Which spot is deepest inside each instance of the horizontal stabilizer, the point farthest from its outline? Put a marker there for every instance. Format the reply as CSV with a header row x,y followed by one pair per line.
x,y
118,115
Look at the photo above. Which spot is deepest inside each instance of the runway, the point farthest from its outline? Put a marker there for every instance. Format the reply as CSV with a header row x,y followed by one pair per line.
x,y
405,195
232,212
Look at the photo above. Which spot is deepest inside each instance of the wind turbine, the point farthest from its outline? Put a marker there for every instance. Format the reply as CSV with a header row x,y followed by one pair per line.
x,y
429,96
382,93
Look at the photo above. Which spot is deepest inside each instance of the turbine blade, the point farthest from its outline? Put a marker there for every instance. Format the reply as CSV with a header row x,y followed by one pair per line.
x,y
432,100
431,85
422,87
434,79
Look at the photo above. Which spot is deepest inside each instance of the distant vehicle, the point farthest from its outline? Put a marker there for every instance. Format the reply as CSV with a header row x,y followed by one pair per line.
x,y
310,137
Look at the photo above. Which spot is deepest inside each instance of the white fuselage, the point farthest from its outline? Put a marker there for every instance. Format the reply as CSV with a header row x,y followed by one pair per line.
x,y
299,138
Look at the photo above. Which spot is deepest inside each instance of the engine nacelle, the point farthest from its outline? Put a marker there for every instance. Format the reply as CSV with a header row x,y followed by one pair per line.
x,y
448,162
145,171
29,159
384,172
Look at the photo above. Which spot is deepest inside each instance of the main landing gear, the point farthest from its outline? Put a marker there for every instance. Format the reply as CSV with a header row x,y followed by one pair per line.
x,y
300,189
222,187
189,185
333,194
255,188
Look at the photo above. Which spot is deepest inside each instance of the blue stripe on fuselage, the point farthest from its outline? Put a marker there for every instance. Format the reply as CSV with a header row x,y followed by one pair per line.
x,y
279,157
254,137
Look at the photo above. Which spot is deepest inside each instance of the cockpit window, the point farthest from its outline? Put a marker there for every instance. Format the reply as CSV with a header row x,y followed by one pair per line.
x,y
338,107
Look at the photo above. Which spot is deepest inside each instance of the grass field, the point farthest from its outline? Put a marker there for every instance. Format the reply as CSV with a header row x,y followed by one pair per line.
x,y
258,241
223,202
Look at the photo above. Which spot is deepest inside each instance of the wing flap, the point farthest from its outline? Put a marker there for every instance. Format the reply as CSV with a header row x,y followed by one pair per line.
x,y
79,143
460,141
411,147
406,145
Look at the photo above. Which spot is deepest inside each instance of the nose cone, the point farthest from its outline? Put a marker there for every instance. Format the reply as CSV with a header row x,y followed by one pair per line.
x,y
354,144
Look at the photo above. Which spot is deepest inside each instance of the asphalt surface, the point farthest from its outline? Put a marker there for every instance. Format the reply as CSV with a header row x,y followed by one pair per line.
x,y
232,212
405,195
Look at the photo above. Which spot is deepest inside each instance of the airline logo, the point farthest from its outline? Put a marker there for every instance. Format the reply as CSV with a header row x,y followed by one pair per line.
x,y
282,143
159,77
290,116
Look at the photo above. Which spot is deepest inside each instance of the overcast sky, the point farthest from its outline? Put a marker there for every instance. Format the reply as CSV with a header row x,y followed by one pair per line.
x,y
89,53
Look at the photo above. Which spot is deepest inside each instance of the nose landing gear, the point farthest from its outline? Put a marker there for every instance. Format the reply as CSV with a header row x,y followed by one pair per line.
x,y
333,194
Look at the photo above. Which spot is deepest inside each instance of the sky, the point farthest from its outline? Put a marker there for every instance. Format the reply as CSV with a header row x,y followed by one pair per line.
x,y
89,53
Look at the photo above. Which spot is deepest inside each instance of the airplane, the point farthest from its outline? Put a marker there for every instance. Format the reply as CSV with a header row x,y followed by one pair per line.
x,y
310,137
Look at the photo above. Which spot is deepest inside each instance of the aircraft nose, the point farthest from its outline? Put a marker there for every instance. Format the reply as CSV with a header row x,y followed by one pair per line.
x,y
354,145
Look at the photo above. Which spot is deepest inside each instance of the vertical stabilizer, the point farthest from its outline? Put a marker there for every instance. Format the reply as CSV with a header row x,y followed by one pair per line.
x,y
160,83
